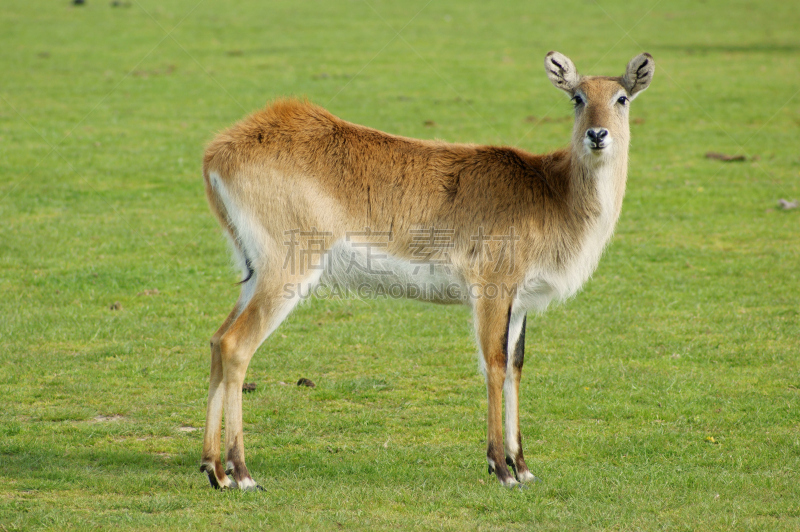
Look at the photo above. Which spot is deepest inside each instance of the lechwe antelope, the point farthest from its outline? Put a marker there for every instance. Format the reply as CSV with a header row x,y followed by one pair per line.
x,y
307,199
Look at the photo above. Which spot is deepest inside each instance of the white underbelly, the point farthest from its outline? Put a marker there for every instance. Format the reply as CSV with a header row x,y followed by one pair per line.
x,y
369,272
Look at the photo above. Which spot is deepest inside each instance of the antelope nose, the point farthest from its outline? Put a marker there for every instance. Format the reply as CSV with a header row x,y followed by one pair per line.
x,y
597,134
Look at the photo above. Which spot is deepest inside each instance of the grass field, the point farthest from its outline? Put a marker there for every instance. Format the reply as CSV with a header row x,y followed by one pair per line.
x,y
664,397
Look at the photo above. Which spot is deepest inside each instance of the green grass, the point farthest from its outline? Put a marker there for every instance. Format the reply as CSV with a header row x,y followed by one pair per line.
x,y
665,396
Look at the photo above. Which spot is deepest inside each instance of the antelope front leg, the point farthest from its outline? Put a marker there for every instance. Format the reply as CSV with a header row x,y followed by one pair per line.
x,y
491,318
513,440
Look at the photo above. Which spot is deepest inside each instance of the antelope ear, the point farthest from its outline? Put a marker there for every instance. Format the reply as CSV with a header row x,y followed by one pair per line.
x,y
639,74
562,72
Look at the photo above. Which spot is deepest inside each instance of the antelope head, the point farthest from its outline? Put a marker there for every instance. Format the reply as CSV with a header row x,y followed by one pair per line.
x,y
601,130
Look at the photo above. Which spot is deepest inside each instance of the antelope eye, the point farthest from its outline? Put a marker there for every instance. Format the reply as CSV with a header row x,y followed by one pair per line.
x,y
622,100
577,100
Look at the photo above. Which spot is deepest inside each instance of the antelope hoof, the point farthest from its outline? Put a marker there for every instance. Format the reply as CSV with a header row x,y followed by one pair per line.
x,y
523,476
503,476
509,482
248,484
220,482
527,476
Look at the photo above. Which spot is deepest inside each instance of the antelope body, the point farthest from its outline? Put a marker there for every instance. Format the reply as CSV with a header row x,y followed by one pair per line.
x,y
306,198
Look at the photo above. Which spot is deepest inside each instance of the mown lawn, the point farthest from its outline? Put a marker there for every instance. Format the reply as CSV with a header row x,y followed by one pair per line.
x,y
665,396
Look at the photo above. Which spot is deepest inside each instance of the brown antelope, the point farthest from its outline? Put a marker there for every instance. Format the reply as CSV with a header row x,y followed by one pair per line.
x,y
307,199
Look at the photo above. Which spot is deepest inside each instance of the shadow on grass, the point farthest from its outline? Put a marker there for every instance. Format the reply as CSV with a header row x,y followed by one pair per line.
x,y
95,470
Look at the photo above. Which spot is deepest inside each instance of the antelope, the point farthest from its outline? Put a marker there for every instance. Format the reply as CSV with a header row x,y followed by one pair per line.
x,y
512,232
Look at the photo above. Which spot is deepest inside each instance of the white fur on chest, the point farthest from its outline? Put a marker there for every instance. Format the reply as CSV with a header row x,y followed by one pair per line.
x,y
542,286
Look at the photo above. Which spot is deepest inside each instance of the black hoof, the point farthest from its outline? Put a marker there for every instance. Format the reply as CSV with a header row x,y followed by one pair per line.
x,y
212,478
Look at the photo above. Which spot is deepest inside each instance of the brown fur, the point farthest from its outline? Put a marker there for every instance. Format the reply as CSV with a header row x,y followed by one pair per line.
x,y
295,166
391,183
